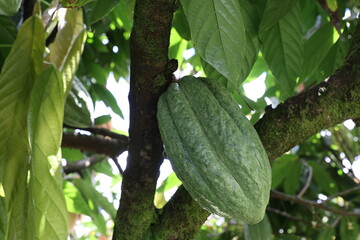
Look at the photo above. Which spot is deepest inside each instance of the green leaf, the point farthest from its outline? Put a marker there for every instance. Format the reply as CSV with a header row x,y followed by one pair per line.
x,y
18,74
72,154
292,180
105,95
349,228
122,15
316,48
181,24
220,37
46,200
75,202
283,48
260,231
274,11
9,7
99,201
323,179
68,45
280,168
170,182
8,32
79,107
177,46
326,234
102,119
96,10
74,3
3,219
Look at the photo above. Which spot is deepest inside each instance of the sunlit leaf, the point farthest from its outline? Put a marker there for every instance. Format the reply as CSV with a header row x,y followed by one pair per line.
x,y
46,200
97,198
15,87
75,202
65,51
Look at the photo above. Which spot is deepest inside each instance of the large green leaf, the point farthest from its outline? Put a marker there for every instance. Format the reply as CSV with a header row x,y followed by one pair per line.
x,y
274,11
46,199
283,48
96,10
259,231
219,35
68,45
316,48
251,19
9,7
16,81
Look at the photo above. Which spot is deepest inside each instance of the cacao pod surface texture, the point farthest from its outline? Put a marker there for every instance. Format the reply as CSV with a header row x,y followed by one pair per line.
x,y
214,149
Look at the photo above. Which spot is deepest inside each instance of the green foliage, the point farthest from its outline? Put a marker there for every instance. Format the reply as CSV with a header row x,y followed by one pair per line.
x,y
9,7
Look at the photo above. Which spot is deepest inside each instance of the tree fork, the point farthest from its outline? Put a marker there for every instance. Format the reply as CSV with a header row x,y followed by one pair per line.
x,y
149,45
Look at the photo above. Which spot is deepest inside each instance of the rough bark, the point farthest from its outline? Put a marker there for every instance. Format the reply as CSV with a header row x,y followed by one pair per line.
x,y
280,129
149,45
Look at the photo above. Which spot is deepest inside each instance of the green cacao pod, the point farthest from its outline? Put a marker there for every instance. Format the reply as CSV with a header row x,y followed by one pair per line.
x,y
214,149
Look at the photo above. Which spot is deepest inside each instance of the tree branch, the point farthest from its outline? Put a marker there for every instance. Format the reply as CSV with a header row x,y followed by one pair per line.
x,y
280,195
95,144
149,44
82,164
294,121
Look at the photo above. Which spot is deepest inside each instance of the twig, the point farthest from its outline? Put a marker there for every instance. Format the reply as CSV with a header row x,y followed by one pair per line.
x,y
308,179
303,201
101,131
83,163
287,215
348,191
118,165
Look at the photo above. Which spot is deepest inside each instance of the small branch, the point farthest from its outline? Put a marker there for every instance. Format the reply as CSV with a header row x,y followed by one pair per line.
x,y
101,131
308,179
343,193
287,215
303,201
95,144
118,165
83,163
